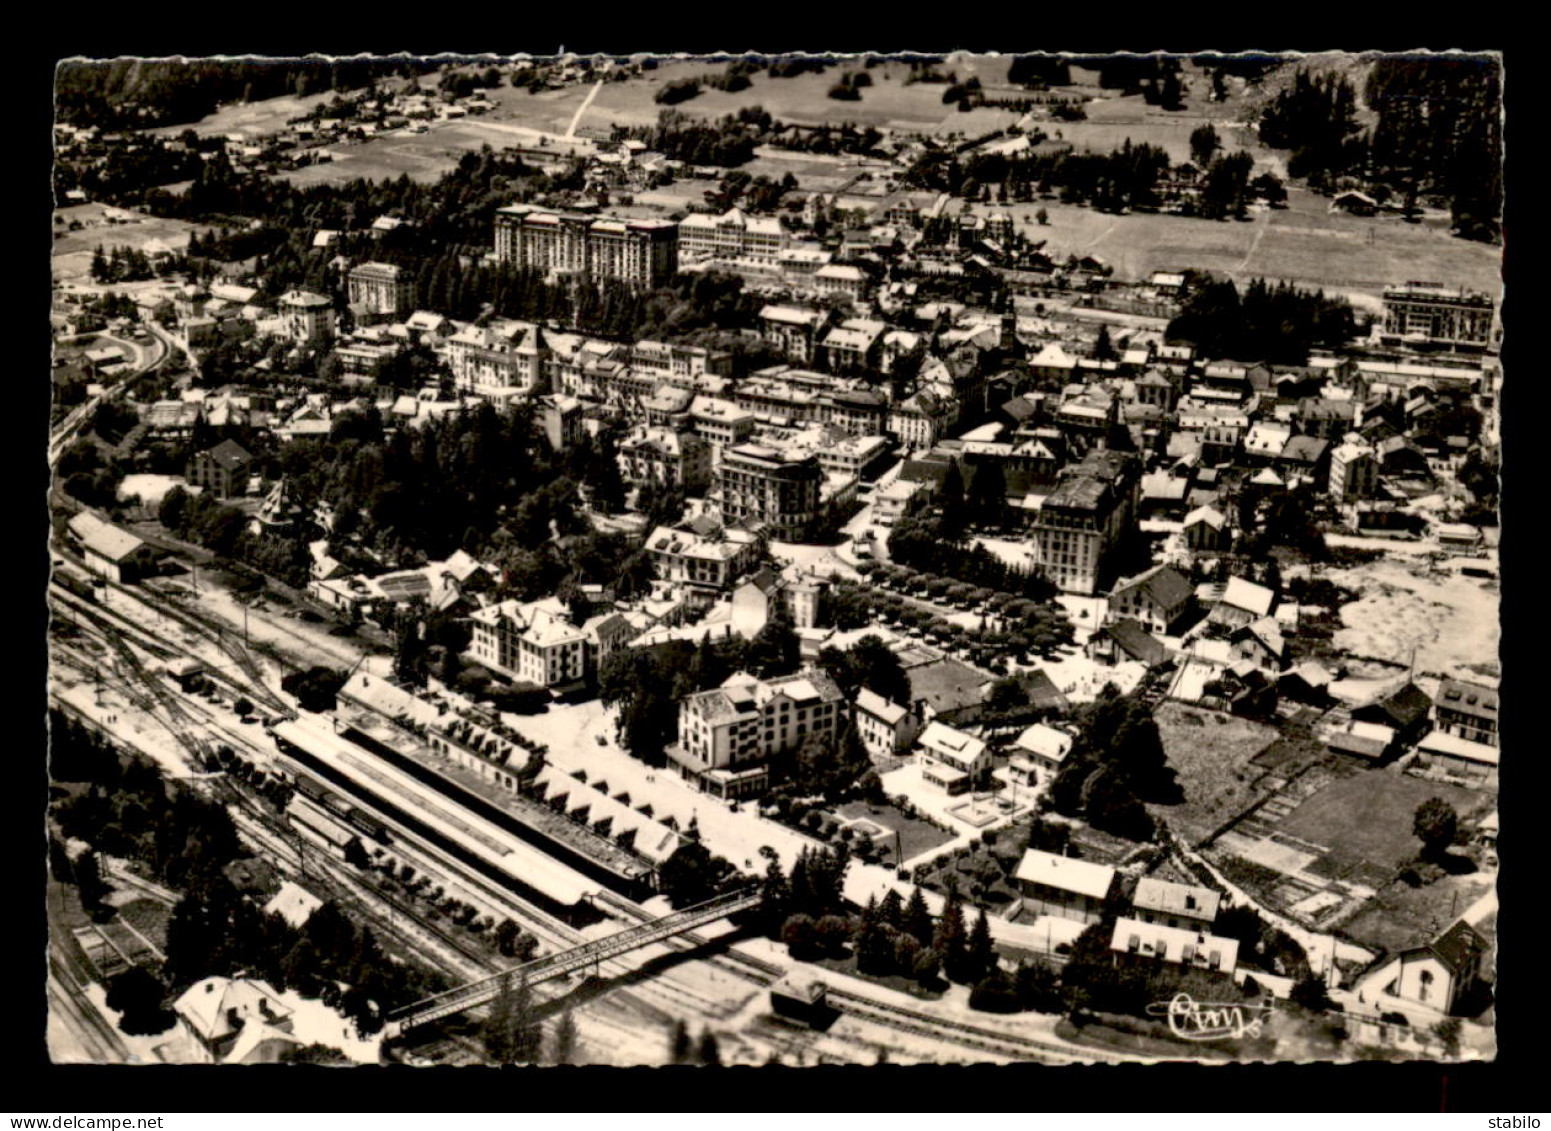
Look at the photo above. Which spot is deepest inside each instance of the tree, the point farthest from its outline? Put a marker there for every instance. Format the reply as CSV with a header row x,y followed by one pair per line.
x,y
355,853
1434,825
512,1034
918,919
980,960
1311,994
1042,216
564,1049
952,938
88,879
1204,144
679,1044
708,1052
138,995
1103,348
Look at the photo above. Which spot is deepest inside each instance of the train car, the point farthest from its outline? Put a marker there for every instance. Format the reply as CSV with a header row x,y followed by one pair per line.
x,y
320,824
309,787
369,825
336,804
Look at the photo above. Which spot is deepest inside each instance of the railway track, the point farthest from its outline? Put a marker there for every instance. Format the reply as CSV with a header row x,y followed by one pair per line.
x,y
971,1036
450,952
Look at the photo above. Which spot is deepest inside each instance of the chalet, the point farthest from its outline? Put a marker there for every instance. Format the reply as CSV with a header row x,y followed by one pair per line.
x,y
1157,599
1207,531
1241,603
1309,683
1467,710
1064,886
1354,203
1405,709
1260,643
1126,640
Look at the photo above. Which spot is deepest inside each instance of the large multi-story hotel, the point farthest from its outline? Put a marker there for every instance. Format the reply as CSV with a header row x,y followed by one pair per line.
x,y
382,288
498,362
643,253
733,235
1081,522
728,734
1432,314
534,641
760,485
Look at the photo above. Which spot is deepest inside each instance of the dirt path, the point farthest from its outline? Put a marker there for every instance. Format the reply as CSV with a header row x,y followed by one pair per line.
x,y
570,131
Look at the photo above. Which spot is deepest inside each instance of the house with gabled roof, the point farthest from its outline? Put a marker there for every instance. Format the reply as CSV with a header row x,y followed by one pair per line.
x,y
1139,941
1063,886
1126,640
1467,710
1206,530
1242,602
236,1021
1435,976
1158,599
951,759
886,729
1175,905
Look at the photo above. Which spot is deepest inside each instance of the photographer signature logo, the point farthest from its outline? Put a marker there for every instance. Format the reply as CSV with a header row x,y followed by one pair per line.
x,y
1192,1020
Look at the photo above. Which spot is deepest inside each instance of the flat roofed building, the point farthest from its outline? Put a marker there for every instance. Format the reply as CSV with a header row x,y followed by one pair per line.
x,y
673,457
643,253
763,486
307,317
1079,525
702,554
732,235
498,362
727,734
381,288
1432,314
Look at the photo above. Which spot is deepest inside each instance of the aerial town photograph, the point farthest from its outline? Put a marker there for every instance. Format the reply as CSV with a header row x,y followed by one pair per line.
x,y
773,559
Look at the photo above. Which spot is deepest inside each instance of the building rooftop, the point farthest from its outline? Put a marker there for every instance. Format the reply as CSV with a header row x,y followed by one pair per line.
x,y
1066,873
1165,897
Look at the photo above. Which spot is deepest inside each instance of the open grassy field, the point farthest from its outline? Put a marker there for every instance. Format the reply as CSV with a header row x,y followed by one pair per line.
x,y
72,252
1303,243
1368,816
251,119
1210,752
